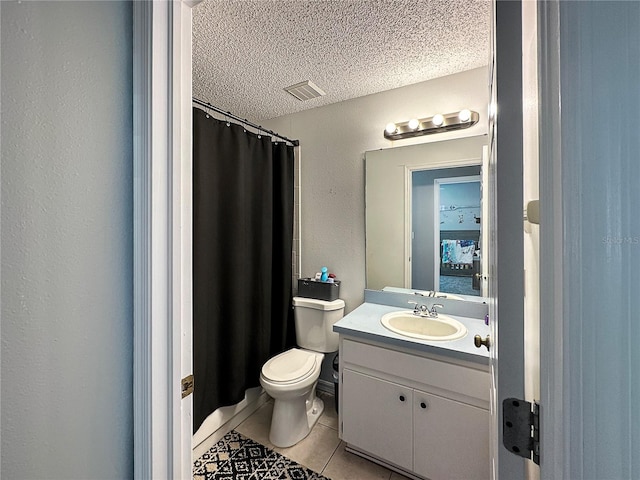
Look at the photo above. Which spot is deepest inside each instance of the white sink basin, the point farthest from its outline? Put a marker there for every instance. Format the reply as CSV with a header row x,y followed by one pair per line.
x,y
440,328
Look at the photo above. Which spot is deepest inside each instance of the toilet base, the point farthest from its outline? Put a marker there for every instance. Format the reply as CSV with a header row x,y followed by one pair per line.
x,y
293,420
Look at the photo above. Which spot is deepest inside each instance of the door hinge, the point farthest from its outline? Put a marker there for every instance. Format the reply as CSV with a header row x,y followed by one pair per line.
x,y
187,386
521,428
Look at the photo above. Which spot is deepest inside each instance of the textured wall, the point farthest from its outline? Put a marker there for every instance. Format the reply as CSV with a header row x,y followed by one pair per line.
x,y
333,141
66,240
599,78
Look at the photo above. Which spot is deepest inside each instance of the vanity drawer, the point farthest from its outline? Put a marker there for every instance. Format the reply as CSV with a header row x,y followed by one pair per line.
x,y
438,374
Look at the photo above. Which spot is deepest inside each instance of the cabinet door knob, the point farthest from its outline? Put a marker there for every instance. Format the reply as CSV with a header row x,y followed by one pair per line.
x,y
401,397
423,405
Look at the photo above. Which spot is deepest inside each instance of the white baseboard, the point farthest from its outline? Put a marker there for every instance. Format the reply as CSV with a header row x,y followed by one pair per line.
x,y
325,386
225,419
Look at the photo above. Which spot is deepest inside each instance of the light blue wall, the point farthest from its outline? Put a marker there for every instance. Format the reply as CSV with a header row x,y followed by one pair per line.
x,y
67,284
600,139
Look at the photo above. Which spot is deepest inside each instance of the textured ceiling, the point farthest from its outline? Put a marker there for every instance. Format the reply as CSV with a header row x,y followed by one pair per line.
x,y
246,51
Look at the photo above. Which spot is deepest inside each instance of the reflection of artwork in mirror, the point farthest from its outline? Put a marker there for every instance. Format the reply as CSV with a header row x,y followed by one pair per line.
x,y
445,228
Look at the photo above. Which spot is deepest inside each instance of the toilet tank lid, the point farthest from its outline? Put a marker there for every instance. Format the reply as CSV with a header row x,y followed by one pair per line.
x,y
318,304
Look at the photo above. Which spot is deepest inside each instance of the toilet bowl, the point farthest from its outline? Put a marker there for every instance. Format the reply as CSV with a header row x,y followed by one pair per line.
x,y
290,378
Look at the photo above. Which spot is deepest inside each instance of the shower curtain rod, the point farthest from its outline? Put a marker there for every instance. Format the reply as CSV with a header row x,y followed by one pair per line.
x,y
295,143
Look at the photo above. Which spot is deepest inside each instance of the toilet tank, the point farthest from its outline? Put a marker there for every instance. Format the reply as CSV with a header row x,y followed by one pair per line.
x,y
314,323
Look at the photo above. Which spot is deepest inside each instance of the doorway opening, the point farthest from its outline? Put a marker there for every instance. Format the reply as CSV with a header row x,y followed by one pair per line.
x,y
445,229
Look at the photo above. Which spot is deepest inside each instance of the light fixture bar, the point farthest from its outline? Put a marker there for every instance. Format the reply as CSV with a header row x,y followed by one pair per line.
x,y
427,126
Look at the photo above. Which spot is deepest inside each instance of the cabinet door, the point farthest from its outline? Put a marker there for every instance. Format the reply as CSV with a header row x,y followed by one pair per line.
x,y
451,439
377,417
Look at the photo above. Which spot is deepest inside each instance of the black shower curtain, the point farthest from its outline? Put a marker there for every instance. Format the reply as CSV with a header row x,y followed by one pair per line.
x,y
242,244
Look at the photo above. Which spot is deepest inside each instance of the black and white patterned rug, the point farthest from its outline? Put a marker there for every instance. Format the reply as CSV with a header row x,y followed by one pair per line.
x,y
236,457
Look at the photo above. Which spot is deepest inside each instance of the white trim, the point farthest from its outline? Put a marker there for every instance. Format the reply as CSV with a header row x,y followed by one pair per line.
x,y
484,225
225,419
162,238
554,390
326,387
408,217
181,204
297,191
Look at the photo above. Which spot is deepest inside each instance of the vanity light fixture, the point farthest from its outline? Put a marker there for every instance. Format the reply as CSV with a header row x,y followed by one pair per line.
x,y
437,124
413,124
464,115
391,128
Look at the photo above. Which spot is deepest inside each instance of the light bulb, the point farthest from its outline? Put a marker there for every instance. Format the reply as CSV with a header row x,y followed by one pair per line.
x,y
464,115
437,120
391,128
414,124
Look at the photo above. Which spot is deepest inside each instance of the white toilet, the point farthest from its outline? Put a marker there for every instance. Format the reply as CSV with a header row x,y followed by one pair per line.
x,y
291,377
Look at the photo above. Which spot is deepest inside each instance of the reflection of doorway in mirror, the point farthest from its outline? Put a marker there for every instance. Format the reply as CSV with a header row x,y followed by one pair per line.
x,y
457,233
458,207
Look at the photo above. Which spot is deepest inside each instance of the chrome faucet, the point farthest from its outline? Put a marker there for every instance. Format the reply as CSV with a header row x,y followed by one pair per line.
x,y
420,310
424,311
427,293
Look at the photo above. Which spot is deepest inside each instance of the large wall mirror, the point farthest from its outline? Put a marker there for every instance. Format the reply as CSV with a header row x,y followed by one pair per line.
x,y
424,219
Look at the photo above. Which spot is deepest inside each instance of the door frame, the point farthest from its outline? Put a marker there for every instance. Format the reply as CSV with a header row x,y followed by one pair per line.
x,y
162,232
506,264
162,125
555,388
436,215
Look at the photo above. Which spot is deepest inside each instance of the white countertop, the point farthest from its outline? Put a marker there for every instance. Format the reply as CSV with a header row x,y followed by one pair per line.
x,y
364,322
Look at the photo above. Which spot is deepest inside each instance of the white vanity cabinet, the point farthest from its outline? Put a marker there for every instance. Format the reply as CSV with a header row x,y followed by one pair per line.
x,y
426,414
377,417
450,439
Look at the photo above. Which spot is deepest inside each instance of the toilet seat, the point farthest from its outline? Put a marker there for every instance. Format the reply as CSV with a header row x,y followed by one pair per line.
x,y
290,367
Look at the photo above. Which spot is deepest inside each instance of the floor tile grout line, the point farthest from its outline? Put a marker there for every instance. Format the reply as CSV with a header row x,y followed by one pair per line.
x,y
330,457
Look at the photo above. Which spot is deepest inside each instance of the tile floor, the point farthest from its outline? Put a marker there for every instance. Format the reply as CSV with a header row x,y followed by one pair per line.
x,y
322,451
453,284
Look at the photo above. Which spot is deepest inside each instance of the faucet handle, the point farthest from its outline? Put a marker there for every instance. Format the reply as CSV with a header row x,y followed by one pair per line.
x,y
434,307
419,309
